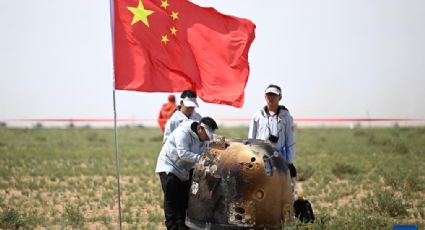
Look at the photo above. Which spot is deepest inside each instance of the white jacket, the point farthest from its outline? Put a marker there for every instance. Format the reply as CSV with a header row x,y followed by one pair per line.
x,y
180,152
175,120
282,125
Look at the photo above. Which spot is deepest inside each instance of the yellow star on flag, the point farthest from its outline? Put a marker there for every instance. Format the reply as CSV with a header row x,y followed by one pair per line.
x,y
140,14
164,39
174,15
173,30
164,4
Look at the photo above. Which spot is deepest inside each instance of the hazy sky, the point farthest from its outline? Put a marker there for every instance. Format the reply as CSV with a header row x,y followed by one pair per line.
x,y
333,58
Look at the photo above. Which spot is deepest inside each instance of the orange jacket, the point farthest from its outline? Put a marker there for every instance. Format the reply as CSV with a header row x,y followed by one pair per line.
x,y
165,113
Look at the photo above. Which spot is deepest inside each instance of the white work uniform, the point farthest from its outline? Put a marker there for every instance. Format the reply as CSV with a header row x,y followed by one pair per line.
x,y
175,120
280,125
180,152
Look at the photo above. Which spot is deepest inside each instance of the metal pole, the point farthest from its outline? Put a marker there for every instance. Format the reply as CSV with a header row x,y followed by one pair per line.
x,y
117,162
117,156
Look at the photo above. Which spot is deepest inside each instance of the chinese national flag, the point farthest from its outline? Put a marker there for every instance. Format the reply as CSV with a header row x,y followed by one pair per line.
x,y
174,45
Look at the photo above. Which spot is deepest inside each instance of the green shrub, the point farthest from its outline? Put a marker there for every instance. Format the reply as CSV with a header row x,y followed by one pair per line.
x,y
360,220
341,170
358,132
403,179
156,139
73,216
33,220
321,222
385,202
394,177
401,147
11,219
155,217
415,183
304,172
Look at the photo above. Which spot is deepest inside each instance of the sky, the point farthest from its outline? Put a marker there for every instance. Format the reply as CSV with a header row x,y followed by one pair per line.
x,y
332,58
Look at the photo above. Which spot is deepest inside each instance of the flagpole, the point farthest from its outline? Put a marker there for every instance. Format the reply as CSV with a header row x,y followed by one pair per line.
x,y
117,156
117,162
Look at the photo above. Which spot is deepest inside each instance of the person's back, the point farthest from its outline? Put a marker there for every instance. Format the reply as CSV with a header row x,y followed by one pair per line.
x,y
166,112
178,156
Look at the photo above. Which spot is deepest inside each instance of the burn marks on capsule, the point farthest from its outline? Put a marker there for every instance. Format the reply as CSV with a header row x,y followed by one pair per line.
x,y
248,166
206,176
242,214
252,165
232,190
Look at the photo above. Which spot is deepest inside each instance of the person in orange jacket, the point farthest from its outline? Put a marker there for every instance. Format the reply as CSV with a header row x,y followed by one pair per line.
x,y
166,111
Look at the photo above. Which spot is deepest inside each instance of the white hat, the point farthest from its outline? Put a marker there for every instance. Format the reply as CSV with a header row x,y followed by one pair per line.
x,y
208,130
190,102
273,90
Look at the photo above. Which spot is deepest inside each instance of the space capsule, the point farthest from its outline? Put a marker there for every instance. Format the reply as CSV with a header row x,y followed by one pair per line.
x,y
240,184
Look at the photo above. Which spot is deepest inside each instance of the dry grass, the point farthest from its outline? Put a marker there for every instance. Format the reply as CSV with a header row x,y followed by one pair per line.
x,y
65,178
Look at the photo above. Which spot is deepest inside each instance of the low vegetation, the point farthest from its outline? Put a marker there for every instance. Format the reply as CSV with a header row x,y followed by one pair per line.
x,y
65,178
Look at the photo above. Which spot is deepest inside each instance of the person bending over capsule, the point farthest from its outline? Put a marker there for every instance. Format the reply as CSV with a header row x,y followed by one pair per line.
x,y
182,149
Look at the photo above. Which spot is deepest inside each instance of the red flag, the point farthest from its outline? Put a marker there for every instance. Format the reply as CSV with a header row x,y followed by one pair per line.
x,y
174,45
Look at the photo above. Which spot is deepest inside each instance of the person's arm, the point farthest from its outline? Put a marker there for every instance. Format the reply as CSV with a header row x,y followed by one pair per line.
x,y
183,144
290,139
253,126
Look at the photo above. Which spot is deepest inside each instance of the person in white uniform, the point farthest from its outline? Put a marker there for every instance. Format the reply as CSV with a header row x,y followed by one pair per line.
x,y
185,111
182,149
274,123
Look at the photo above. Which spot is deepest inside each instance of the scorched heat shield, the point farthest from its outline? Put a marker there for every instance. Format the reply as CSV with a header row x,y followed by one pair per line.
x,y
240,184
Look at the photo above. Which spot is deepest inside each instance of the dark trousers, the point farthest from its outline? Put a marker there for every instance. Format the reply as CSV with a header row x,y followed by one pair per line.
x,y
176,195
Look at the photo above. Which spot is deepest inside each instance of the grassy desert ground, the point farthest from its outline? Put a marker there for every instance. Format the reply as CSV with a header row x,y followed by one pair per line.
x,y
364,178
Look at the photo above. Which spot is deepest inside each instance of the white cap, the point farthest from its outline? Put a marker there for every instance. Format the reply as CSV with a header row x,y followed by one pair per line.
x,y
273,90
190,102
208,130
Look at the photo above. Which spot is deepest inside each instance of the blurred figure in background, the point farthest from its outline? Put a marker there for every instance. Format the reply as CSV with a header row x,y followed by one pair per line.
x,y
166,111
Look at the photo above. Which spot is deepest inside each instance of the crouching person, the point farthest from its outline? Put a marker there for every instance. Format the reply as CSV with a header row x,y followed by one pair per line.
x,y
182,149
